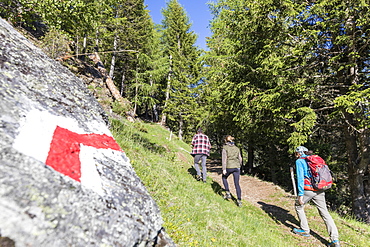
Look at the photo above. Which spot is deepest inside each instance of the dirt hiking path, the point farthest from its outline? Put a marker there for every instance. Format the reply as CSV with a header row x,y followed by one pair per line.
x,y
274,201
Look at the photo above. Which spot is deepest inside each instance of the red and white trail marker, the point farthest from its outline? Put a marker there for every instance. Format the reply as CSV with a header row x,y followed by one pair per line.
x,y
65,148
60,143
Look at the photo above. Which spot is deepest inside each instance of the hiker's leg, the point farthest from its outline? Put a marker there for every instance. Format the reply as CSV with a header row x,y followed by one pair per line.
x,y
236,174
224,179
320,203
196,163
204,167
300,211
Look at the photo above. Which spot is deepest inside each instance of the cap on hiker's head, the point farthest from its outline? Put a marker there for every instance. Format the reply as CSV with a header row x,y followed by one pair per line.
x,y
301,150
200,130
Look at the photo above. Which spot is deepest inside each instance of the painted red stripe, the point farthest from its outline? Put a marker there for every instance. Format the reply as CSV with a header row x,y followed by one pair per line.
x,y
65,150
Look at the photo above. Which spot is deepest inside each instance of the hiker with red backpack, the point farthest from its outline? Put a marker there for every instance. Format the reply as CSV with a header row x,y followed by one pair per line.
x,y
312,181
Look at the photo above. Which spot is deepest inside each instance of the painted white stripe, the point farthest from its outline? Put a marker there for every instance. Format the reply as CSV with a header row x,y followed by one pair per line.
x,y
90,177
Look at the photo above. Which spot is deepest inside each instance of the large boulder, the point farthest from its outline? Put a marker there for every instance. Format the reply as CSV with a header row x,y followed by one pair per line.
x,y
64,181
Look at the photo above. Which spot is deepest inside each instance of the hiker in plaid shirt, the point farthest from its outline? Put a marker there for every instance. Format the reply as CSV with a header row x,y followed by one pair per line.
x,y
201,148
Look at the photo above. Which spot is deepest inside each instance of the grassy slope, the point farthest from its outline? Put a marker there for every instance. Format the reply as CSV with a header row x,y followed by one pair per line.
x,y
194,213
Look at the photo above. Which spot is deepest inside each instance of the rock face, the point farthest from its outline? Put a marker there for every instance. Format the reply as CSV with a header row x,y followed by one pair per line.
x,y
64,181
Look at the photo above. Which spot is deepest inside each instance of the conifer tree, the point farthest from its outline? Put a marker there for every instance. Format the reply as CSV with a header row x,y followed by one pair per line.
x,y
150,78
294,74
181,109
250,69
340,49
128,32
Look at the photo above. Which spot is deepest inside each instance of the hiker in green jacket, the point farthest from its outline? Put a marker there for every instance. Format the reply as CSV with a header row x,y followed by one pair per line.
x,y
231,163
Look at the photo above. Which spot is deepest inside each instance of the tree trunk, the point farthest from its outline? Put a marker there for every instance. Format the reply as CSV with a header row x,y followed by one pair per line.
x,y
84,44
357,141
355,177
272,162
123,83
110,84
181,126
364,164
358,167
136,91
113,60
155,113
163,121
250,159
155,117
84,48
77,48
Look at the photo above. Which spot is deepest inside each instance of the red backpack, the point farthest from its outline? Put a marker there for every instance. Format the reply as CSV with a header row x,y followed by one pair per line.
x,y
321,176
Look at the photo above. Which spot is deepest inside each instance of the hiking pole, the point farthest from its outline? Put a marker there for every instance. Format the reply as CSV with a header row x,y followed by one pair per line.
x,y
293,180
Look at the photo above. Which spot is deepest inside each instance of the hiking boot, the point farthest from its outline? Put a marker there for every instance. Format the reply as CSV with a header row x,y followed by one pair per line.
x,y
239,203
335,243
301,232
227,196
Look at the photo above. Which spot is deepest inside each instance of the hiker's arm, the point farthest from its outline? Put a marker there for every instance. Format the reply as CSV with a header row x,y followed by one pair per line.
x,y
240,159
194,140
300,176
224,158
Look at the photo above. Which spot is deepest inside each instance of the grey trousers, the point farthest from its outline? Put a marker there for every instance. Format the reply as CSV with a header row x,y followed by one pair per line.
x,y
202,157
318,198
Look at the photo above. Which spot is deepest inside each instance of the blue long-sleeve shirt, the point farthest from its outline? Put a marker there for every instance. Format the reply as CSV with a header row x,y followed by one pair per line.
x,y
302,173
